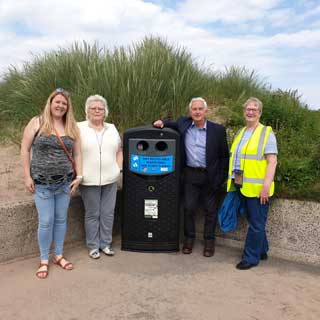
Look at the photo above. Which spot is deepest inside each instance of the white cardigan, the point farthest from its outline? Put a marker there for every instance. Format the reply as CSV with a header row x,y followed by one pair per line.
x,y
99,168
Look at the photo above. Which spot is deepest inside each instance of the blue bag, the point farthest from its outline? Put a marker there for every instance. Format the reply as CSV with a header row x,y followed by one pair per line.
x,y
227,214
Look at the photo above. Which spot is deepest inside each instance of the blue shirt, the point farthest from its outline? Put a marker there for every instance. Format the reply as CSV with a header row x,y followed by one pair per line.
x,y
195,145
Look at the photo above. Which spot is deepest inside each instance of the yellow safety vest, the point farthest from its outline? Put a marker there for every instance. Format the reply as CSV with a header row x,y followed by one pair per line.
x,y
252,162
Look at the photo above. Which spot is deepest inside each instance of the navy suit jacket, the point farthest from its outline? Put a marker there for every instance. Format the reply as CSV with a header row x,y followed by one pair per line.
x,y
217,151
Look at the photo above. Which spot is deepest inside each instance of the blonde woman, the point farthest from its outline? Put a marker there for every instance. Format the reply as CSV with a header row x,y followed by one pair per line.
x,y
102,161
49,173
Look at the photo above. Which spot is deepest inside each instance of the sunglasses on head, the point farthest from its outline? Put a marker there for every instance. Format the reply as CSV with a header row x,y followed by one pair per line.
x,y
65,92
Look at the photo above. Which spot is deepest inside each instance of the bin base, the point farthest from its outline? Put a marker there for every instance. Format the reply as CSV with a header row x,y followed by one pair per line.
x,y
150,247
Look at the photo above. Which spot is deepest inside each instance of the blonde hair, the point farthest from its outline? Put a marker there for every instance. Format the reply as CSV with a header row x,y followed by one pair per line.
x,y
70,124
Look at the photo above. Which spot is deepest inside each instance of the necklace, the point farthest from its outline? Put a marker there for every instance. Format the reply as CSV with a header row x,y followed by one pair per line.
x,y
99,137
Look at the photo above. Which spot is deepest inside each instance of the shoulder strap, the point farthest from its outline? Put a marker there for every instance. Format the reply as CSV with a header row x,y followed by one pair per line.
x,y
65,149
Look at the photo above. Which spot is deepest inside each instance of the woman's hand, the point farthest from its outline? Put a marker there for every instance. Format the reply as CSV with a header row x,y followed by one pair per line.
x,y
28,182
74,185
271,168
264,194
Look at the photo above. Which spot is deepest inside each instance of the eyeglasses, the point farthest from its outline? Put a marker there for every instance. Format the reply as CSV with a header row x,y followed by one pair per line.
x,y
96,109
251,110
65,92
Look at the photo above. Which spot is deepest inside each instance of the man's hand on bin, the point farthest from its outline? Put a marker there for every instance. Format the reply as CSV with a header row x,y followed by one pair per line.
x,y
158,124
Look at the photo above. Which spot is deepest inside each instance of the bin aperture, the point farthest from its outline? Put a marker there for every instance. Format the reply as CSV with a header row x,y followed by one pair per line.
x,y
142,145
161,146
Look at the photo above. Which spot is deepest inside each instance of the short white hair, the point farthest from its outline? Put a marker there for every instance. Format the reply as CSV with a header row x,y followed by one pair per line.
x,y
198,99
254,100
95,98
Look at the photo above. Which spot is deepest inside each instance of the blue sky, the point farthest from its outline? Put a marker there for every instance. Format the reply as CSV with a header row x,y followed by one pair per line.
x,y
279,39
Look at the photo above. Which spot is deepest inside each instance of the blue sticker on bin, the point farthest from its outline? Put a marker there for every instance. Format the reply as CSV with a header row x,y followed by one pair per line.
x,y
151,164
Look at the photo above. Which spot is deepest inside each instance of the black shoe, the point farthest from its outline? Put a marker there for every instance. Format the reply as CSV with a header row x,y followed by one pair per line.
x,y
244,265
264,256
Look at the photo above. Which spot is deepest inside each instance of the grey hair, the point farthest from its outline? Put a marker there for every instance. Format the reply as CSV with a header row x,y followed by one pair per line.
x,y
254,100
96,98
198,99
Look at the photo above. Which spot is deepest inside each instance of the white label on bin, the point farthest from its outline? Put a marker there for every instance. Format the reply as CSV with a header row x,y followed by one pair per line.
x,y
151,208
150,235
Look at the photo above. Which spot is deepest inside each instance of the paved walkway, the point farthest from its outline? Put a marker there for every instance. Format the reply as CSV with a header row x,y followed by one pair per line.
x,y
168,286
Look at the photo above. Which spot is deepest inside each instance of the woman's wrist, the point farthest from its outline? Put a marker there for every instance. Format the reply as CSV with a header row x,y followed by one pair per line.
x,y
79,177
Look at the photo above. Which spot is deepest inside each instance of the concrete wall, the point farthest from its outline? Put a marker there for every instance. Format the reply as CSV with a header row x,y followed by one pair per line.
x,y
18,228
293,230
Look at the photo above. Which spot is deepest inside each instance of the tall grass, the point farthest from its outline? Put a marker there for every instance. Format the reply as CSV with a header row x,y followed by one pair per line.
x,y
141,83
153,79
236,84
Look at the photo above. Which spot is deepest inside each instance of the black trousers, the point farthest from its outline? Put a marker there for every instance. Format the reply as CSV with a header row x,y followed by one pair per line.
x,y
198,193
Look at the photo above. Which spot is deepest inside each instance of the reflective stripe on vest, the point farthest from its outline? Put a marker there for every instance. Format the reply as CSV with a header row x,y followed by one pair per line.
x,y
252,162
250,180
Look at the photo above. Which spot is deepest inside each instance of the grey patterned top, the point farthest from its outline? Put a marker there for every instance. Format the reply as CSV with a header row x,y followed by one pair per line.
x,y
50,164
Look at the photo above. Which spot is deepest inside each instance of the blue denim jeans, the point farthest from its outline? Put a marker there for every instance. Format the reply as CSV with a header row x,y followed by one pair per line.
x,y
52,202
256,241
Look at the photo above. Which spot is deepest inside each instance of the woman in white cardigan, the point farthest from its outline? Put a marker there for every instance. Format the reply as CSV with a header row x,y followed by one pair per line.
x,y
102,162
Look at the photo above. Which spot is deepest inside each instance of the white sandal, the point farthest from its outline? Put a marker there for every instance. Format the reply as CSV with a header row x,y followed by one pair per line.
x,y
94,254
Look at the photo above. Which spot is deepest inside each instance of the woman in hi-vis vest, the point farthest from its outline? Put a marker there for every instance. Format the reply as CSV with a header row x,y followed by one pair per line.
x,y
253,161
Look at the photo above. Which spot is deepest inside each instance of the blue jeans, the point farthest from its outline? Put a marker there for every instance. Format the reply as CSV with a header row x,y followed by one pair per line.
x,y
52,202
256,241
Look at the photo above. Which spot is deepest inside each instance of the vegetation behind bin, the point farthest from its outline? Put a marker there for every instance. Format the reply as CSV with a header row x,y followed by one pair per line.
x,y
154,79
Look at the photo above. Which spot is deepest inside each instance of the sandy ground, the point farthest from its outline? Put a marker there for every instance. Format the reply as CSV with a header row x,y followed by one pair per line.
x,y
150,286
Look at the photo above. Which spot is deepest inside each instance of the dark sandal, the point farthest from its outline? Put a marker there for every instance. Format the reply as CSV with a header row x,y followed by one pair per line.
x,y
58,262
45,272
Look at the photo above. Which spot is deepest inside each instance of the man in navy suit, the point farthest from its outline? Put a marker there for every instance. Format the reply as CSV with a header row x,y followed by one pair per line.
x,y
205,160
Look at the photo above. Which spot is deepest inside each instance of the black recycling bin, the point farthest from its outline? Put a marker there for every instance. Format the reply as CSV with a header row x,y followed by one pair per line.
x,y
151,171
